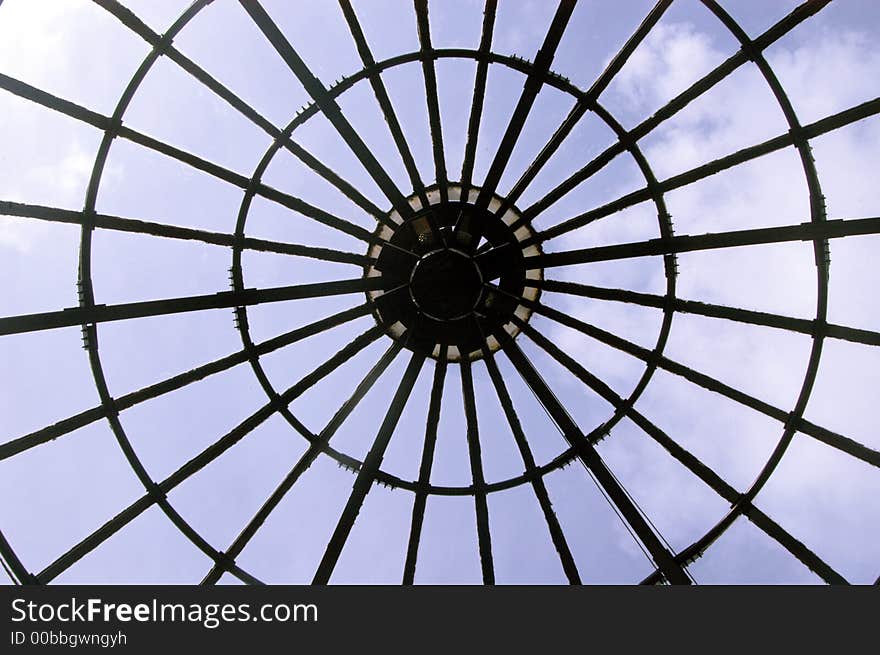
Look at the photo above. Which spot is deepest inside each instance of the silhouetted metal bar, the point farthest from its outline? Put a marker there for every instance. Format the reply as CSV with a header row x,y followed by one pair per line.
x,y
608,394
793,545
672,570
418,512
137,226
87,296
430,74
10,560
135,24
179,381
28,92
687,459
833,229
585,102
313,212
327,104
531,469
367,473
317,445
383,99
840,442
291,202
829,124
701,86
205,457
470,150
103,313
800,325
810,559
220,172
531,88
484,537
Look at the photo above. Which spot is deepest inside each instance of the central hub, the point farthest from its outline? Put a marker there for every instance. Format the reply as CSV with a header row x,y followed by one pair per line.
x,y
446,284
455,274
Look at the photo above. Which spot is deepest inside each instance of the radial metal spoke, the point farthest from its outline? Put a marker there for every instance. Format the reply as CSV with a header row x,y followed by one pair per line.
x,y
585,103
28,92
670,109
829,124
840,442
793,545
672,570
179,381
684,457
151,228
285,199
135,24
671,566
220,172
531,470
206,456
384,100
317,445
470,150
10,560
418,512
327,104
433,101
533,84
832,229
484,537
800,325
104,313
368,471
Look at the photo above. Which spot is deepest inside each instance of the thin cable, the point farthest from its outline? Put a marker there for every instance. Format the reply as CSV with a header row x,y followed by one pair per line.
x,y
650,522
598,486
12,577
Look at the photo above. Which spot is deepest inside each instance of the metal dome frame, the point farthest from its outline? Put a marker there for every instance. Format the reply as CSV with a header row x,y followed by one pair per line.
x,y
670,566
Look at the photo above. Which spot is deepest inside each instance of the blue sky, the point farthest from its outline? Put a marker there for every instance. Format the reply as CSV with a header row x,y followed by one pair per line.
x,y
59,492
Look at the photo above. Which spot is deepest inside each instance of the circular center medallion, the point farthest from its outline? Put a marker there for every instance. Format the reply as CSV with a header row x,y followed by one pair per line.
x,y
457,277
446,284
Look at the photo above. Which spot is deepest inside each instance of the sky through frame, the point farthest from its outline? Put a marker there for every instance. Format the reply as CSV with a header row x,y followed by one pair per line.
x,y
55,494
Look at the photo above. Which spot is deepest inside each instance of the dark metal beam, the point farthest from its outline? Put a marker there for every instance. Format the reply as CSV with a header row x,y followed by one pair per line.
x,y
384,100
152,228
236,179
701,86
178,381
829,124
840,442
585,103
28,92
418,512
135,24
205,457
833,229
327,104
223,299
367,473
484,536
800,325
470,150
689,461
672,570
432,98
316,446
531,470
531,88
